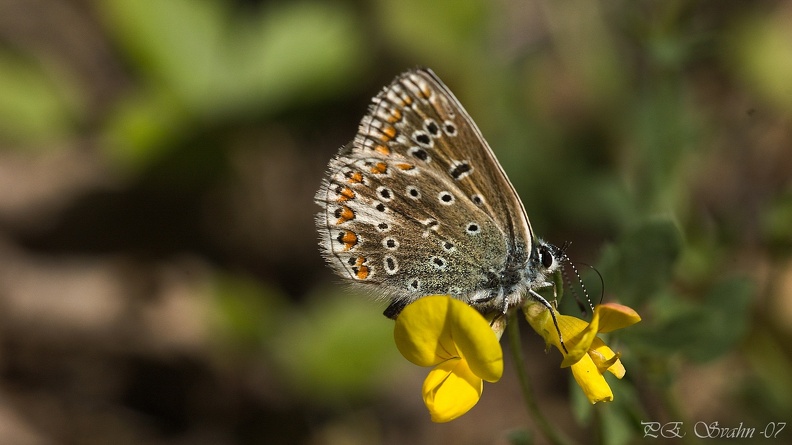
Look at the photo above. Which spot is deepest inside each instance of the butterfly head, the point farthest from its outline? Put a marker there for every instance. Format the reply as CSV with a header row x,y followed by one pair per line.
x,y
546,259
546,254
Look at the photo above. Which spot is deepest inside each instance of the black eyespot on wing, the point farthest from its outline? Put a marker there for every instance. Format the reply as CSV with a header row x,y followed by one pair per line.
x,y
431,128
446,197
391,265
390,243
422,138
449,128
459,170
419,153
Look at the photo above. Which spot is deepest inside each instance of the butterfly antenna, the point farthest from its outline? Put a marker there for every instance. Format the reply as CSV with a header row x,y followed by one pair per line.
x,y
566,260
602,281
583,286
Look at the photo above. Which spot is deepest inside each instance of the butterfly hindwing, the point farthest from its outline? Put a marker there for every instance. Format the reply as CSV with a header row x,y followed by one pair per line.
x,y
417,204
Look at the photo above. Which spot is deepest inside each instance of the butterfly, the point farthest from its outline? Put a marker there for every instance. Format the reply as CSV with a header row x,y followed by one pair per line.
x,y
417,204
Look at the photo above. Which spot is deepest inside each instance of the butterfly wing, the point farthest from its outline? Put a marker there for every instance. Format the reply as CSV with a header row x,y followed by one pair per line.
x,y
417,204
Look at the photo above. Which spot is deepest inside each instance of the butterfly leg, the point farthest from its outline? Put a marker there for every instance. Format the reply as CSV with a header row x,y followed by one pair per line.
x,y
549,307
395,308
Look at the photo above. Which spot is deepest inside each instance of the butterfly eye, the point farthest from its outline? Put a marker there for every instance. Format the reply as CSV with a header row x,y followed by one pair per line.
x,y
546,257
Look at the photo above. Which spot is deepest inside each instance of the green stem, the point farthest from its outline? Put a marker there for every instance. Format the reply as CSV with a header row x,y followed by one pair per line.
x,y
553,436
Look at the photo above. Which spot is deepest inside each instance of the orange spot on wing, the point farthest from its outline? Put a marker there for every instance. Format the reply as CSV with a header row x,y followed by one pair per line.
x,y
379,168
360,270
425,91
388,133
395,115
348,238
405,166
346,194
344,214
355,177
382,149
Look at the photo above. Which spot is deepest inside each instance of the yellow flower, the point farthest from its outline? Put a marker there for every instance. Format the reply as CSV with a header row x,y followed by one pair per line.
x,y
588,355
453,337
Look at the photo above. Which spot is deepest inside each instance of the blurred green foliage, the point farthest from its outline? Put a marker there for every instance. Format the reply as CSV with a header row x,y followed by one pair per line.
x,y
654,135
334,352
203,62
246,314
37,106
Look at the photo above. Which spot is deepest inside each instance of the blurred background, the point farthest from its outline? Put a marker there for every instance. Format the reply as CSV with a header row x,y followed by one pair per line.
x,y
159,274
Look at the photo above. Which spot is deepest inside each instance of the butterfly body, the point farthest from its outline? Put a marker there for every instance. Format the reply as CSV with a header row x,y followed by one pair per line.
x,y
417,204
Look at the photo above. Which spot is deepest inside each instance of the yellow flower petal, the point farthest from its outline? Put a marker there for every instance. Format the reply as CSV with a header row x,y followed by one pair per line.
x,y
477,343
577,333
578,336
591,381
587,354
540,320
616,316
434,329
421,332
605,359
450,390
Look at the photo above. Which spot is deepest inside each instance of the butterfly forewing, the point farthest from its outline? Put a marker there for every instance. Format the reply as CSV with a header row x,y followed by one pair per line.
x,y
417,204
475,168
